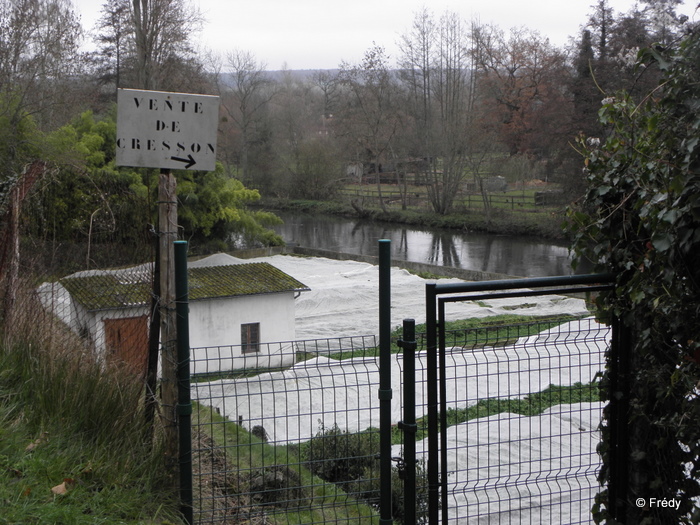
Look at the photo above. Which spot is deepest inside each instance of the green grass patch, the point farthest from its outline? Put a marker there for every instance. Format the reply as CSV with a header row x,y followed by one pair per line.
x,y
496,331
537,221
532,405
427,275
276,478
310,206
74,445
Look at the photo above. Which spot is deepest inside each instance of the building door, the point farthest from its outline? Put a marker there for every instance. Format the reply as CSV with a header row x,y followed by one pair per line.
x,y
126,341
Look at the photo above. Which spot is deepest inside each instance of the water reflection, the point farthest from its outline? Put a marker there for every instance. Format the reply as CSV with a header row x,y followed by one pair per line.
x,y
490,253
443,250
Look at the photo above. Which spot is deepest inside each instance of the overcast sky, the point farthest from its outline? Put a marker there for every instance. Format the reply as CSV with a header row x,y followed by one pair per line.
x,y
319,34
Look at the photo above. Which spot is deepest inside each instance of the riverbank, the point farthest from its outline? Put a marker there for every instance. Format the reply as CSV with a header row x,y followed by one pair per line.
x,y
545,224
423,270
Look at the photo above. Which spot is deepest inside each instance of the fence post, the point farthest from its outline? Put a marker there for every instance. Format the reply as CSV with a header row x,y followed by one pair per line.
x,y
385,393
408,425
442,396
619,395
432,395
184,403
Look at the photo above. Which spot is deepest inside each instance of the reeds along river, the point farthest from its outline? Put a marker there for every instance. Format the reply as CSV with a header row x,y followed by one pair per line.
x,y
517,256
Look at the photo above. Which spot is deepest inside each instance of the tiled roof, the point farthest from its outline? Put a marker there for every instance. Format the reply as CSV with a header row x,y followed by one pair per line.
x,y
124,288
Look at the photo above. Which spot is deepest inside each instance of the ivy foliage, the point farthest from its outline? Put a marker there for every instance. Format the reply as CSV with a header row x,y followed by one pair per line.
x,y
640,220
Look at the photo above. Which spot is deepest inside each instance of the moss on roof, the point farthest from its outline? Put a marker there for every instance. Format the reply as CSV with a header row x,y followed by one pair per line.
x,y
240,279
107,291
125,289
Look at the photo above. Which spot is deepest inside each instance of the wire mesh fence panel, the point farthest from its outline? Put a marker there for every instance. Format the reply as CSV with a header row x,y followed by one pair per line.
x,y
297,441
291,436
521,410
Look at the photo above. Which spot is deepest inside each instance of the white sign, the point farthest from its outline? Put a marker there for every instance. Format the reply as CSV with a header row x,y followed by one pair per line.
x,y
157,129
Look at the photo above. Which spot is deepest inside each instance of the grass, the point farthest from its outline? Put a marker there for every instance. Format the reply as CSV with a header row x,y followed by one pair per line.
x,y
532,405
102,487
301,497
427,275
74,446
536,221
497,330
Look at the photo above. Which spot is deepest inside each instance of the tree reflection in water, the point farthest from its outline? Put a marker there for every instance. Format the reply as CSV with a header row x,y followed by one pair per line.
x,y
521,256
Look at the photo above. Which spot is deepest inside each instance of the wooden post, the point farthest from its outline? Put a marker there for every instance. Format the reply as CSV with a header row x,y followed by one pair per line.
x,y
9,246
12,247
167,225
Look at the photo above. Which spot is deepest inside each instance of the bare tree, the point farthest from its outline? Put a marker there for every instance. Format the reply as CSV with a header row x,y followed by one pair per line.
x,y
482,147
370,115
437,69
416,63
329,85
39,59
304,146
162,30
246,89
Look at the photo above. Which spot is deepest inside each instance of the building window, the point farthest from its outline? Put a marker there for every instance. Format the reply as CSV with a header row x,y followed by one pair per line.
x,y
250,337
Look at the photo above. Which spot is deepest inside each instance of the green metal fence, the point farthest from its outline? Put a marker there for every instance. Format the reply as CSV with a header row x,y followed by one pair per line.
x,y
512,434
299,443
290,444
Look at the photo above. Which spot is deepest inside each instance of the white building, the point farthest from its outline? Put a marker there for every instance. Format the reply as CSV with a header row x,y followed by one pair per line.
x,y
235,311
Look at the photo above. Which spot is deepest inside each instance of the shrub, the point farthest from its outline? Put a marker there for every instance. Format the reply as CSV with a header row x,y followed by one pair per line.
x,y
351,461
341,457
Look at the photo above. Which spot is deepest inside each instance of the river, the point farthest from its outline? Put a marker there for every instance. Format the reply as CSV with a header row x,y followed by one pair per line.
x,y
517,256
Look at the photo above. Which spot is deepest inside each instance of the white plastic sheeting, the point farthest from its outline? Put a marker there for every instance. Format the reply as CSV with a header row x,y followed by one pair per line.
x,y
294,404
503,468
509,468
344,298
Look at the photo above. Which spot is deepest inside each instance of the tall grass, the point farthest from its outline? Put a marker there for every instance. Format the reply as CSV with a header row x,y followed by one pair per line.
x,y
66,418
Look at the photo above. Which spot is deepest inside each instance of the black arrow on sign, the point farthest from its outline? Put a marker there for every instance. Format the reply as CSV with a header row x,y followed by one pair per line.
x,y
190,161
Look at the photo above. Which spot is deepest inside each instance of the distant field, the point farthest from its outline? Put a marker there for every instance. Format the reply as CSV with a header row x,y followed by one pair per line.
x,y
526,198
